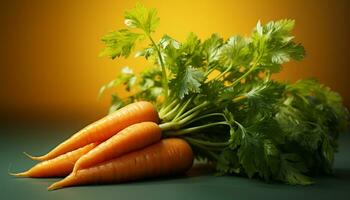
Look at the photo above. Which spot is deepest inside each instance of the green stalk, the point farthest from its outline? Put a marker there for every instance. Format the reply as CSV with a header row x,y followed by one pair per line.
x,y
164,76
171,112
183,108
169,126
209,71
251,69
185,120
212,154
206,143
239,98
242,129
175,125
167,108
205,116
194,129
205,103
223,73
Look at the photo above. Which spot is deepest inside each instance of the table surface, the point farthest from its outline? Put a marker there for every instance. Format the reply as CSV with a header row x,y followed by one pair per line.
x,y
200,185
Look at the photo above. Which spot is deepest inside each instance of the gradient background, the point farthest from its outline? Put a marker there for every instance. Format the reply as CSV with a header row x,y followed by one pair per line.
x,y
49,64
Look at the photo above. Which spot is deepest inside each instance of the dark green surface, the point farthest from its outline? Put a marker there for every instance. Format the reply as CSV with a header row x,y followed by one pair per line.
x,y
40,138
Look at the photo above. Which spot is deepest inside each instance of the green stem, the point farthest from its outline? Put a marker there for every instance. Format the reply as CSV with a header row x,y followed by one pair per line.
x,y
167,108
252,68
186,114
212,154
194,129
205,116
209,71
206,143
240,126
171,112
185,120
164,76
223,73
268,76
175,125
169,126
183,108
239,98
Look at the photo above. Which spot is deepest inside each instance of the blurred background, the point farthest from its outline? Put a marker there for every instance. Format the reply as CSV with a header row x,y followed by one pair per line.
x,y
50,69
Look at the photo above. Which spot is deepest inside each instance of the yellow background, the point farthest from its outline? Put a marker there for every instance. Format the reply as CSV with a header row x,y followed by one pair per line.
x,y
49,63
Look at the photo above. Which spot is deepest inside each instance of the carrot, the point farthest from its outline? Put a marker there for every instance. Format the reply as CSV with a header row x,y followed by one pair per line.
x,y
134,137
56,167
105,128
167,157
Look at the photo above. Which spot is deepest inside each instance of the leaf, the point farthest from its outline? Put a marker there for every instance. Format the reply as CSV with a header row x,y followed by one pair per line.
x,y
212,91
273,45
166,40
288,52
228,163
187,80
119,43
235,52
292,170
142,18
211,47
146,52
328,155
279,29
116,103
126,77
263,98
150,87
255,154
191,51
171,53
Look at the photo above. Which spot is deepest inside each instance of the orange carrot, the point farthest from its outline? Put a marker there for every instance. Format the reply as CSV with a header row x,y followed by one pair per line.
x,y
134,137
57,167
167,157
105,128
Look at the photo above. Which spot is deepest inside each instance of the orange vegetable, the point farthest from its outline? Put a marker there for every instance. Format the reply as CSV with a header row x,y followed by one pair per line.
x,y
134,137
56,167
167,157
105,128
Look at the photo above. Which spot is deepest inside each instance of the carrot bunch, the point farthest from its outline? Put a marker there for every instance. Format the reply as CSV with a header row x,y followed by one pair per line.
x,y
126,145
214,96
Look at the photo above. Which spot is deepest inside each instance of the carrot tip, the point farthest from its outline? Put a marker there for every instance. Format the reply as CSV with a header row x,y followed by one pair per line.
x,y
39,158
21,174
54,186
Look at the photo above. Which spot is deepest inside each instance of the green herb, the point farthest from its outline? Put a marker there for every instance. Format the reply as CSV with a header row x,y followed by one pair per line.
x,y
241,119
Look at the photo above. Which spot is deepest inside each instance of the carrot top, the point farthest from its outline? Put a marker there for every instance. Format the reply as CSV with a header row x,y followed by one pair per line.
x,y
217,93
